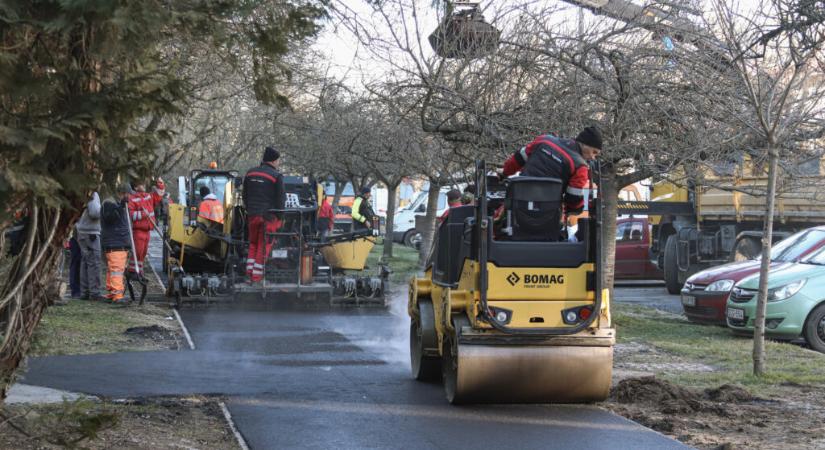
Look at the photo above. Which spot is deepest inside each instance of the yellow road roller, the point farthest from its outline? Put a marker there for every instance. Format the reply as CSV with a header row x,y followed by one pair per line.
x,y
511,310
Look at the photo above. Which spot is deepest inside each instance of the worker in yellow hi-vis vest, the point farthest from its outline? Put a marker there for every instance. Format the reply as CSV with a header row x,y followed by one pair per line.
x,y
362,213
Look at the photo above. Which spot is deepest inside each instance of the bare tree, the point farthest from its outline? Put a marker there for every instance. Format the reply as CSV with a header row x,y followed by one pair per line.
x,y
775,54
550,77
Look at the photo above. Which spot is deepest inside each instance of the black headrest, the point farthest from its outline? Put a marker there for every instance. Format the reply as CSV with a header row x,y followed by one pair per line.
x,y
459,213
535,189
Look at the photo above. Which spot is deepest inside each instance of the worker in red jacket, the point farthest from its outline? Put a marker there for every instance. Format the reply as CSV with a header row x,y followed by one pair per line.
x,y
142,215
566,159
326,218
160,199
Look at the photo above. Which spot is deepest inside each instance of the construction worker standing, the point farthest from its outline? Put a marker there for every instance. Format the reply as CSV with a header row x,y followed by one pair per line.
x,y
115,241
362,214
88,232
160,199
565,159
142,214
326,218
263,191
210,207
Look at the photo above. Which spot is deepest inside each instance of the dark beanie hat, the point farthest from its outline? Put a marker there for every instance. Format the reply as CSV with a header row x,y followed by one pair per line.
x,y
204,191
365,190
270,154
590,136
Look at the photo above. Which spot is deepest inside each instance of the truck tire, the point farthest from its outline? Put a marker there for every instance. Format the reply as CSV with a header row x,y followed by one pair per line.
x,y
814,330
671,266
746,248
412,238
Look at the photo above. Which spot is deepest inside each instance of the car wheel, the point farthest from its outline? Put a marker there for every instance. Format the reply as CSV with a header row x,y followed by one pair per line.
x,y
412,238
814,330
746,249
671,268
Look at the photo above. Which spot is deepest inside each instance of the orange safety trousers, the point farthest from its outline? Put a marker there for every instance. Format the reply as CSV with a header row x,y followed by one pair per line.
x,y
116,264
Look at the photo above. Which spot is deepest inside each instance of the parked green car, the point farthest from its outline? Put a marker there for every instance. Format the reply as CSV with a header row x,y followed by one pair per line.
x,y
796,301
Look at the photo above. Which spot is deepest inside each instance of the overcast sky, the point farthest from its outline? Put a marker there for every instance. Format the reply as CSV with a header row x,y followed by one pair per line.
x,y
348,60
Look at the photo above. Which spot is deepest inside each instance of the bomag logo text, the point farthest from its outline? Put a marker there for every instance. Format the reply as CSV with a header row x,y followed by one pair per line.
x,y
543,279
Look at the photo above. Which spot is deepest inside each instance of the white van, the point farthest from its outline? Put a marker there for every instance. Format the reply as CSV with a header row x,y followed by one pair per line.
x,y
404,221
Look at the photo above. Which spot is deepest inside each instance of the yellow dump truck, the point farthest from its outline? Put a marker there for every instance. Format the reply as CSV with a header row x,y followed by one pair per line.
x,y
718,217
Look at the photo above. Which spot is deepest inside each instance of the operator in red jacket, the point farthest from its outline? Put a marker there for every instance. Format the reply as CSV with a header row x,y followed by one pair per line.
x,y
565,159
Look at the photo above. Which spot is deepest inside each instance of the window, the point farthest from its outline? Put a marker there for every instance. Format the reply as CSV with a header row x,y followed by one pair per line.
x,y
809,167
329,189
630,231
215,183
621,229
794,247
817,258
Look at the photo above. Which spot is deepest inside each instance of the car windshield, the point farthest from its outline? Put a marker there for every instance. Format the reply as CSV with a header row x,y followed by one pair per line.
x,y
796,246
329,189
817,258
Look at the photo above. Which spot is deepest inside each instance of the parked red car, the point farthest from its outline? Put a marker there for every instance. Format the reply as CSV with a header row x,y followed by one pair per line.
x,y
633,250
705,293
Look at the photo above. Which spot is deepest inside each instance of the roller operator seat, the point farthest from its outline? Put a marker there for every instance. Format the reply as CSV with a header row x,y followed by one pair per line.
x,y
534,207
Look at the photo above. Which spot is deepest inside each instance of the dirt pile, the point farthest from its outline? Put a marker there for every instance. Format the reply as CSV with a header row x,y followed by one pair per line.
x,y
729,393
726,417
671,398
653,391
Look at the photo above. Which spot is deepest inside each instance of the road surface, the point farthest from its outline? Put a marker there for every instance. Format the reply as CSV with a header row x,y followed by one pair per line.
x,y
330,379
336,379
651,294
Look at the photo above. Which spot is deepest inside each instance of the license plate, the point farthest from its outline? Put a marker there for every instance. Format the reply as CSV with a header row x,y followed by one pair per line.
x,y
279,254
736,314
688,300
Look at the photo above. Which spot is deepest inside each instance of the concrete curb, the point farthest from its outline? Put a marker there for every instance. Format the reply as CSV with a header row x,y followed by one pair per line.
x,y
238,436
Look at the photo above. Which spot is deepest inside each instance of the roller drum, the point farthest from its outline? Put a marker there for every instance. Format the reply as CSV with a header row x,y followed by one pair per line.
x,y
527,374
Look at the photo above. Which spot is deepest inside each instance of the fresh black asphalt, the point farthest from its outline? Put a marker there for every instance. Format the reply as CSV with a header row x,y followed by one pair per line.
x,y
330,379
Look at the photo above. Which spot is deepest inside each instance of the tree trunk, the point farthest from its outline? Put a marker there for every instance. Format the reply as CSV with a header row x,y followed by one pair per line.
x,y
388,230
429,224
339,189
762,296
609,197
30,285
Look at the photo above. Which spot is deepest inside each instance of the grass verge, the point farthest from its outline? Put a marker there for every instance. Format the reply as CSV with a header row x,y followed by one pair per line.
x,y
727,354
85,327
404,261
